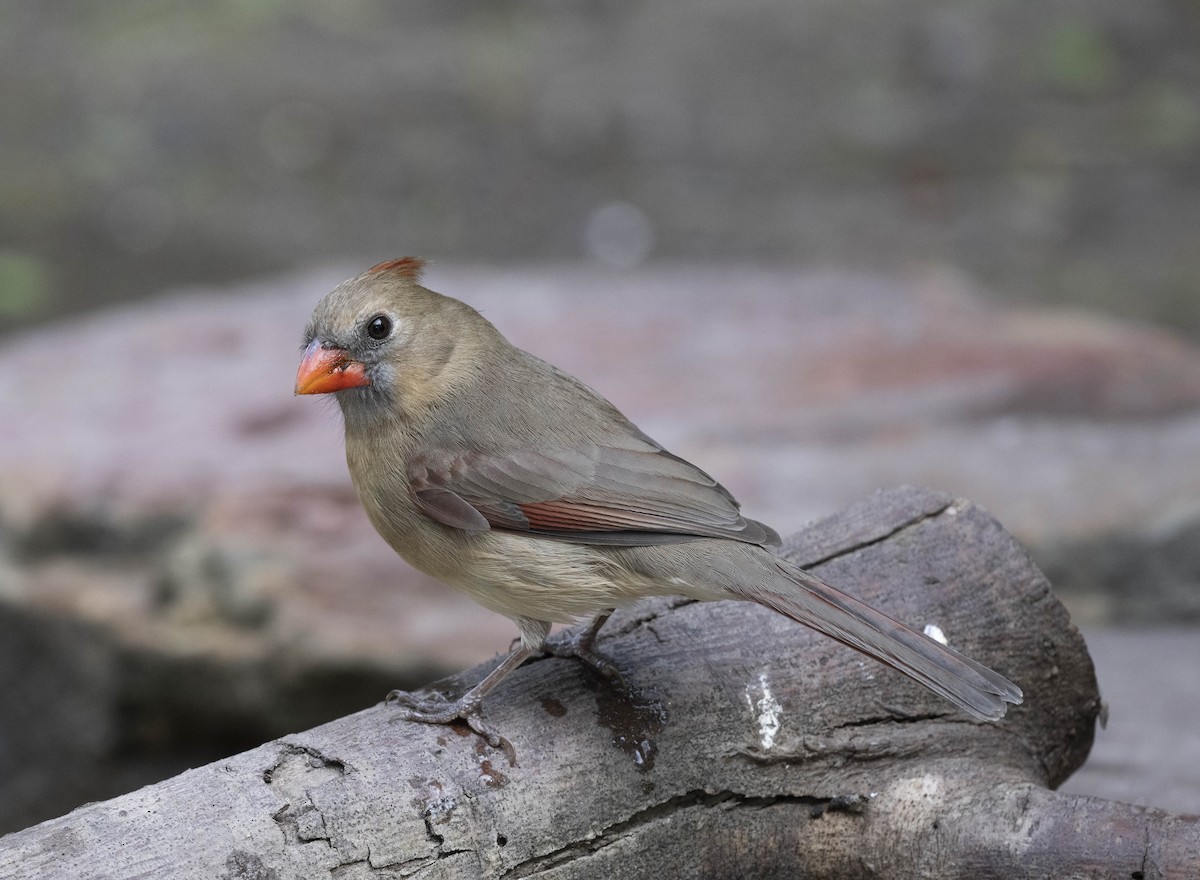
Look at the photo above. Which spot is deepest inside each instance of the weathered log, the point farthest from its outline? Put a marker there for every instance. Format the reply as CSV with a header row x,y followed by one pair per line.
x,y
743,745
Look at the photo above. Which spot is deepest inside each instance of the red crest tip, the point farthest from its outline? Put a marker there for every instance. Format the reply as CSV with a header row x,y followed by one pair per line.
x,y
405,267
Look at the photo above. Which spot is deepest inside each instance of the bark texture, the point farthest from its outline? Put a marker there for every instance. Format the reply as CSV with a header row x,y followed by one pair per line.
x,y
743,746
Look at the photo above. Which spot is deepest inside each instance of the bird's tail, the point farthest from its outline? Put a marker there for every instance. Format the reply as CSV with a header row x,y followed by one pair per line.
x,y
809,600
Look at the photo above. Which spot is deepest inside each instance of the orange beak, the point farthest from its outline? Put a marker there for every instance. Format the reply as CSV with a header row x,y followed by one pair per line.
x,y
328,369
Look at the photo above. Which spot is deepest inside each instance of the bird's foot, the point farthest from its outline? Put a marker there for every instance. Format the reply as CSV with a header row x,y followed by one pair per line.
x,y
435,708
581,643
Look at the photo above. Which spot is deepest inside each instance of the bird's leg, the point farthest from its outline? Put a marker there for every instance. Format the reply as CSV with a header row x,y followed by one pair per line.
x,y
437,709
579,643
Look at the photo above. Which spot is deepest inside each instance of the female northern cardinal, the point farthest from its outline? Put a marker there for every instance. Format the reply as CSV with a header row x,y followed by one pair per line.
x,y
501,475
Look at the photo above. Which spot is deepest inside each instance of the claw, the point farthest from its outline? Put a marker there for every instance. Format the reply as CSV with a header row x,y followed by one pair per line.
x,y
578,643
436,708
410,700
493,737
568,648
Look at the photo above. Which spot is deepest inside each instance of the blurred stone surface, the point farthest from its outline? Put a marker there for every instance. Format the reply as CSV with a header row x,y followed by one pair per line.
x,y
1149,751
184,561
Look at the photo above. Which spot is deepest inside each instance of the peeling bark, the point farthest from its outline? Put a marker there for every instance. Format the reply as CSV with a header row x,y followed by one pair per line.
x,y
743,745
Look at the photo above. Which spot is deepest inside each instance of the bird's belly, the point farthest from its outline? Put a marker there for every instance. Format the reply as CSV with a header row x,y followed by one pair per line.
x,y
514,574
520,576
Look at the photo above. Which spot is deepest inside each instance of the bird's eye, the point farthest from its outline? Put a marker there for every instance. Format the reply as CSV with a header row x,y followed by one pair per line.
x,y
379,327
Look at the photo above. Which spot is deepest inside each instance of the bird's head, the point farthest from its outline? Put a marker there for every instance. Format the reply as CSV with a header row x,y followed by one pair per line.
x,y
382,343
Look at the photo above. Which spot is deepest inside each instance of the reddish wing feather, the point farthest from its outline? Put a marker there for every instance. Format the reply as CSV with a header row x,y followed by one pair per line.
x,y
602,495
565,515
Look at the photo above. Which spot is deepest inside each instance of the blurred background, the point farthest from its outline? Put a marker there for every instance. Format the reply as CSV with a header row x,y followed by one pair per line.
x,y
952,243
1052,153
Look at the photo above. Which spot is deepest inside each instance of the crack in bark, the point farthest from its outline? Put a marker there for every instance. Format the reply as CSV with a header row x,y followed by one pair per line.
x,y
346,867
295,817
291,749
862,544
299,814
647,617
437,812
666,811
850,740
897,718
1140,873
820,749
406,868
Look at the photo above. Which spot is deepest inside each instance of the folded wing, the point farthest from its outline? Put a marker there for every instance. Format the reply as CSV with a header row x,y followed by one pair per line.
x,y
593,495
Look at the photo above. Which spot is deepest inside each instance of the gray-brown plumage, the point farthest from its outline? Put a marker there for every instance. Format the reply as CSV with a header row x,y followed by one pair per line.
x,y
505,477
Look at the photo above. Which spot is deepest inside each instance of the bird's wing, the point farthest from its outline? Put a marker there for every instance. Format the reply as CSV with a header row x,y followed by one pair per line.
x,y
589,495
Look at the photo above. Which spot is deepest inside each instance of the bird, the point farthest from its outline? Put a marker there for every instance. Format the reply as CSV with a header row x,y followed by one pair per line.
x,y
505,477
